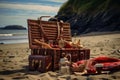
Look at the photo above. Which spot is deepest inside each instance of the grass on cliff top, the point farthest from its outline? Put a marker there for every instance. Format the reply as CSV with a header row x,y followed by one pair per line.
x,y
91,6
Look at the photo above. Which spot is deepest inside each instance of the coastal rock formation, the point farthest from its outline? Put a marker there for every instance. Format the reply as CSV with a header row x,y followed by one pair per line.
x,y
87,16
14,27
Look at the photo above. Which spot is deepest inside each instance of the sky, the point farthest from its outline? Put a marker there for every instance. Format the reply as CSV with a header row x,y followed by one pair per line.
x,y
16,12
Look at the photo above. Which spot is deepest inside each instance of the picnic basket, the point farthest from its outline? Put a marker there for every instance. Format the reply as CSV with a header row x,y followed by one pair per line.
x,y
46,31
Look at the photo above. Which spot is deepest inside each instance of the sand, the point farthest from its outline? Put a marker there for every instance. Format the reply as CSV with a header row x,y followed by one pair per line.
x,y
14,59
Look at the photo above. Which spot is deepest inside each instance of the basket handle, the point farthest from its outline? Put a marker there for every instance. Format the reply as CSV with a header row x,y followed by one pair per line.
x,y
49,18
44,17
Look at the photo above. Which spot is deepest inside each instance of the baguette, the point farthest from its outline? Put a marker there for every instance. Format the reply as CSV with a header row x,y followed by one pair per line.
x,y
42,43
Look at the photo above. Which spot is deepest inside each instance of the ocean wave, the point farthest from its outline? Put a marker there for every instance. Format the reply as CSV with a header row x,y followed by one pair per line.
x,y
6,34
14,34
13,37
20,34
14,41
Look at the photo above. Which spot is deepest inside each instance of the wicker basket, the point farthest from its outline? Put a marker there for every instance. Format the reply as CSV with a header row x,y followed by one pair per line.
x,y
44,32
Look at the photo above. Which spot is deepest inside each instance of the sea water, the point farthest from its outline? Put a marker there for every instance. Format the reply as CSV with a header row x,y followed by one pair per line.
x,y
13,36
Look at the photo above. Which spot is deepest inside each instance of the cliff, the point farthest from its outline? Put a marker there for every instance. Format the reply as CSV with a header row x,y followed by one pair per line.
x,y
87,16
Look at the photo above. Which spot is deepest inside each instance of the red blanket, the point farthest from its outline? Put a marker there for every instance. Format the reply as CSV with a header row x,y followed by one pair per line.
x,y
108,64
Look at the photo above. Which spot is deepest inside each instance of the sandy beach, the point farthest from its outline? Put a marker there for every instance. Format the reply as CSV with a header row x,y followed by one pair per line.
x,y
14,59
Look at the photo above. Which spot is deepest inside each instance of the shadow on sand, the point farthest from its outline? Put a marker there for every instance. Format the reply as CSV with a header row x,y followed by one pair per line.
x,y
8,72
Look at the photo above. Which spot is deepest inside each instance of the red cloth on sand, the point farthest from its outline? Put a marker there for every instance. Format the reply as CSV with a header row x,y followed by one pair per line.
x,y
108,63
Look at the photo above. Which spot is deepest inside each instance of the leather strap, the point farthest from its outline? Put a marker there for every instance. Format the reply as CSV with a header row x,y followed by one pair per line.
x,y
60,30
58,26
42,31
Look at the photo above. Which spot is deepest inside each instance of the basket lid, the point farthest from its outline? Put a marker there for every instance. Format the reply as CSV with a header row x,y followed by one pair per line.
x,y
47,30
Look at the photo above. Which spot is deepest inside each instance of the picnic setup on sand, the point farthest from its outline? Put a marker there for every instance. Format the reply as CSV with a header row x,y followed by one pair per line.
x,y
52,49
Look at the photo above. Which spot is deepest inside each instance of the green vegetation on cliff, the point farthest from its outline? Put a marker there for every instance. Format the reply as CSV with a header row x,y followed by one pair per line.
x,y
87,16
91,6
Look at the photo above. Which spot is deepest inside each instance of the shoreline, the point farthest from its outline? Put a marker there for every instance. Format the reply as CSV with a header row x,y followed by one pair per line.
x,y
82,35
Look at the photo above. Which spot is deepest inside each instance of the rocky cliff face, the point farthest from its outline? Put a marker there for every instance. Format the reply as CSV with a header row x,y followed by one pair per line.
x,y
93,16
